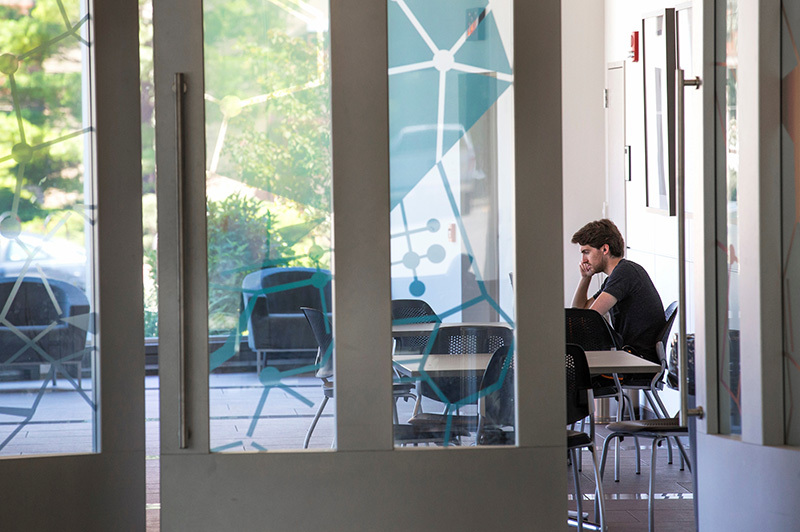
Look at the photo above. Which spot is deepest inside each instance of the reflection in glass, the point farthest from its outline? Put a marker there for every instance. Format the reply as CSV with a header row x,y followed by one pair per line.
x,y
268,186
47,336
790,73
451,171
728,217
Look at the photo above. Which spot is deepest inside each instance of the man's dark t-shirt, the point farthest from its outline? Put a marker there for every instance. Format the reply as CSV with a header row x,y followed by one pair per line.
x,y
638,315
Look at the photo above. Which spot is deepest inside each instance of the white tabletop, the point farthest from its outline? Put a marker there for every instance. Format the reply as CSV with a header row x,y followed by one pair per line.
x,y
619,362
438,365
442,365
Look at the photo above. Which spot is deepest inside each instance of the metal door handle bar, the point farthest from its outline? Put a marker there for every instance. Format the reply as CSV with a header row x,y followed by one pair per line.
x,y
680,142
179,88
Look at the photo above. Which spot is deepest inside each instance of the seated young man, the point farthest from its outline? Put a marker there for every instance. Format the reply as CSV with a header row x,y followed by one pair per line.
x,y
627,294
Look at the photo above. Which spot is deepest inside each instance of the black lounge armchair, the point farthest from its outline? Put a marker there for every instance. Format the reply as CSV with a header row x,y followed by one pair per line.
x,y
276,324
43,324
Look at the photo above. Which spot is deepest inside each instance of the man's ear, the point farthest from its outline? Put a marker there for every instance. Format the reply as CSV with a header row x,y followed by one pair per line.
x,y
605,249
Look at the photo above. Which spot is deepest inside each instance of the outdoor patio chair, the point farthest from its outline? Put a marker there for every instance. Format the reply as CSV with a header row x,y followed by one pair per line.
x,y
276,324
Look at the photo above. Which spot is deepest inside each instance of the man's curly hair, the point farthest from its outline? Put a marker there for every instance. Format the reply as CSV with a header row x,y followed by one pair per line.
x,y
601,232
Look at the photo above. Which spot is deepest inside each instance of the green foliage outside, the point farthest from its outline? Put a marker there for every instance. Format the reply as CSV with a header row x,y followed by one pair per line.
x,y
277,149
40,108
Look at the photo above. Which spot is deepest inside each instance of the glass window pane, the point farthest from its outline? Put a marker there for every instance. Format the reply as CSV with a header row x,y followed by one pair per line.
x,y
452,172
790,72
268,188
47,354
727,36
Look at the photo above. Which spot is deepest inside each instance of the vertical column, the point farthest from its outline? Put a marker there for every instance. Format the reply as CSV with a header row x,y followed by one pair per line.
x,y
361,260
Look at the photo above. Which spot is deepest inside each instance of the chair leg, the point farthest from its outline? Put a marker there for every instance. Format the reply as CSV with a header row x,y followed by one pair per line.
x,y
651,485
599,497
660,413
314,422
684,455
604,454
635,441
578,494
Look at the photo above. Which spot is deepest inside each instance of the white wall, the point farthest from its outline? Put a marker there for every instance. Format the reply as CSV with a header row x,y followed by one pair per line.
x,y
584,152
652,237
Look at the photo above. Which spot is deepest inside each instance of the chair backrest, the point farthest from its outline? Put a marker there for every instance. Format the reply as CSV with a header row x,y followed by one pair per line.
x,y
579,382
498,380
471,339
457,339
297,287
661,348
413,311
323,333
588,329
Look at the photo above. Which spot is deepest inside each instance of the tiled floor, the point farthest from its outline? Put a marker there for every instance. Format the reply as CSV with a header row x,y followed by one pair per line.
x,y
61,418
626,500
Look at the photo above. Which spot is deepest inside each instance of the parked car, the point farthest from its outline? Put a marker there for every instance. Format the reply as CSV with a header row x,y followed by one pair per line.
x,y
58,259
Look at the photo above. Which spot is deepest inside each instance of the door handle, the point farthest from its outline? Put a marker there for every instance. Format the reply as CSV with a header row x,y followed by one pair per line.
x,y
180,88
680,167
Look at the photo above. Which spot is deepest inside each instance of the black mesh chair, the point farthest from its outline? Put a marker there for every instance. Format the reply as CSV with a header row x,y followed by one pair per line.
x,y
650,385
321,327
323,333
496,424
412,311
452,390
464,339
579,407
589,329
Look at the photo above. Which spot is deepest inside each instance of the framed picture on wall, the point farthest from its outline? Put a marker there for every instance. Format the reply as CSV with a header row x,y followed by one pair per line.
x,y
658,64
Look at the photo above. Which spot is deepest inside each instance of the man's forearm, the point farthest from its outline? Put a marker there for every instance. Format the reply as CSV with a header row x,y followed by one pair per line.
x,y
581,299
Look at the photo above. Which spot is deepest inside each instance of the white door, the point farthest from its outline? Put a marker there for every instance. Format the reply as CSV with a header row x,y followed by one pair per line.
x,y
748,452
617,151
274,91
72,451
